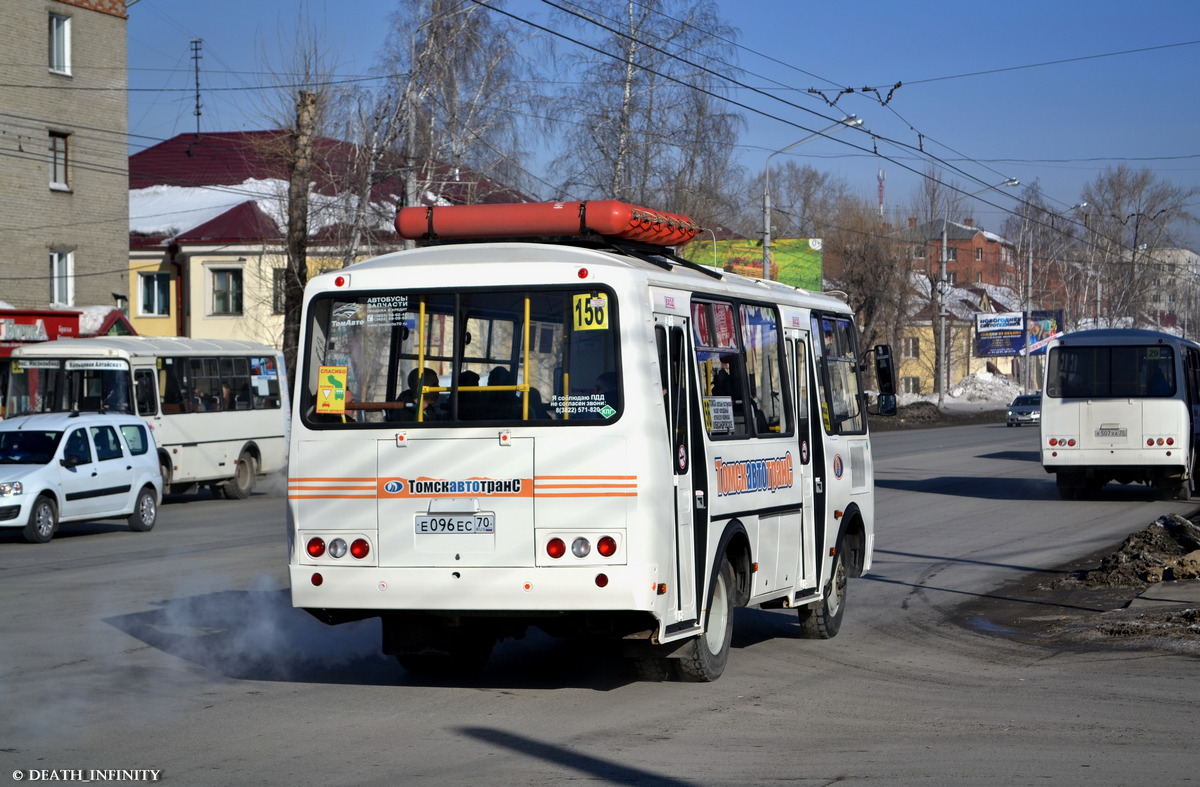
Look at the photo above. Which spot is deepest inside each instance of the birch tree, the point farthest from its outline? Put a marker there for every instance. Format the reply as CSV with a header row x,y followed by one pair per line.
x,y
643,120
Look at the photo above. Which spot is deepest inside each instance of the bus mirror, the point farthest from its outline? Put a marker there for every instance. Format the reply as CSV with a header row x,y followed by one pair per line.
x,y
885,370
887,404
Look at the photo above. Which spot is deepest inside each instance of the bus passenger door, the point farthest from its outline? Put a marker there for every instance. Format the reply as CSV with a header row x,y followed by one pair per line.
x,y
671,334
798,358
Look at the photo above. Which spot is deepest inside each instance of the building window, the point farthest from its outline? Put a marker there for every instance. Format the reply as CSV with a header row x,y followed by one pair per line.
x,y
952,254
60,44
62,277
278,290
910,347
156,294
919,252
227,292
979,253
979,278
910,385
952,278
59,160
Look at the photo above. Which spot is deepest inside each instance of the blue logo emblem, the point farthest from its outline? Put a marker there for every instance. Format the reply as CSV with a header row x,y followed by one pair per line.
x,y
393,487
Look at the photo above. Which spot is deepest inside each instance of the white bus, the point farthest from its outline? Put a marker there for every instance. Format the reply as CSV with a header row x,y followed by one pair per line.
x,y
609,441
1121,405
218,408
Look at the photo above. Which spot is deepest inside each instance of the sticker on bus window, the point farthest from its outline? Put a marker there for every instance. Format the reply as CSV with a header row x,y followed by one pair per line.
x,y
331,389
591,311
718,414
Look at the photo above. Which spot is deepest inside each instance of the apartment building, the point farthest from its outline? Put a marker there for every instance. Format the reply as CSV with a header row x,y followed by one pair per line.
x,y
64,231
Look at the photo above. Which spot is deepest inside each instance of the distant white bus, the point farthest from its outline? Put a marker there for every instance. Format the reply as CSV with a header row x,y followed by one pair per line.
x,y
1121,405
218,408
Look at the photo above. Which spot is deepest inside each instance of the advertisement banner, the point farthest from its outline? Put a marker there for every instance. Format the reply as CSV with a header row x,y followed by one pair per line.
x,y
795,261
1043,326
999,335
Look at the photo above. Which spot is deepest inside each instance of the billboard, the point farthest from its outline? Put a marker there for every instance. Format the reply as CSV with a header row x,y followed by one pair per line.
x,y
794,261
999,335
1006,333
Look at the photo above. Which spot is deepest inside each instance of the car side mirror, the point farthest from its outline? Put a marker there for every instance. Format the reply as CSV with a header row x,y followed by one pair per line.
x,y
71,460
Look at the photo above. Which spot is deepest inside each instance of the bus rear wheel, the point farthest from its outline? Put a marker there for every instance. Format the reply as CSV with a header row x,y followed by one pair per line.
x,y
823,619
703,658
245,472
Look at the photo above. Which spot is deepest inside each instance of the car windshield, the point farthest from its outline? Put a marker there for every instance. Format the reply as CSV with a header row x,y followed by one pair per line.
x,y
28,447
1026,401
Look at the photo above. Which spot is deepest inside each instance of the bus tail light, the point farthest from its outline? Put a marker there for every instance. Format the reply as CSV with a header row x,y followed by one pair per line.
x,y
317,580
360,548
581,547
607,546
602,580
337,548
316,547
556,548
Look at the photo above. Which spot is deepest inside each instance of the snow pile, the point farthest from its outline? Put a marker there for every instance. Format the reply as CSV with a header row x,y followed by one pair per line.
x,y
979,392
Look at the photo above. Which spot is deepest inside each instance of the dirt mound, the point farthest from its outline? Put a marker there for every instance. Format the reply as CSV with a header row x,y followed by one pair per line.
x,y
920,412
1162,551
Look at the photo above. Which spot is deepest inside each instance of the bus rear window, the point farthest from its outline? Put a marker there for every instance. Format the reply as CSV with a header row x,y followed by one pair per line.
x,y
1105,372
462,358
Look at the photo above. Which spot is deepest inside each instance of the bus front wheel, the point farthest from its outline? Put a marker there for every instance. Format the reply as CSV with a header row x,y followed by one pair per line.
x,y
703,658
823,619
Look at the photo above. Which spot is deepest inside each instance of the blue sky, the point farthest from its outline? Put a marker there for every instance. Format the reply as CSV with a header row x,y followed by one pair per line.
x,y
1053,91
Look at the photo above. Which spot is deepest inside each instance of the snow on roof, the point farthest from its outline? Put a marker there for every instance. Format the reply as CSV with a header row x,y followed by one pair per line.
x,y
173,210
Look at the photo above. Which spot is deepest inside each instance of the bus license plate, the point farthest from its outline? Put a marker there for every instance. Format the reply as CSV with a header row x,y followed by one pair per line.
x,y
451,523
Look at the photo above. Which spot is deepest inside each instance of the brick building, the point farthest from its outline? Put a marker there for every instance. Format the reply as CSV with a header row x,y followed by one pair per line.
x,y
974,256
63,123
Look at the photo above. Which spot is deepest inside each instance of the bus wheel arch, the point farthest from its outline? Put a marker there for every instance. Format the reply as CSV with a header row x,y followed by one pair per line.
x,y
703,658
164,468
852,541
823,619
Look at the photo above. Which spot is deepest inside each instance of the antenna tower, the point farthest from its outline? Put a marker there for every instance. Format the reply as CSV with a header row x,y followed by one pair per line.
x,y
196,44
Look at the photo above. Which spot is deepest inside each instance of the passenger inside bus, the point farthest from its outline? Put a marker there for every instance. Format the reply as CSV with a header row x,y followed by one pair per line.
x,y
469,401
500,404
429,412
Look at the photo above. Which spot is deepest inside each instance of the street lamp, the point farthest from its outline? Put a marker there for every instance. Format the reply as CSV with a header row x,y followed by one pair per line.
x,y
942,314
850,121
1026,362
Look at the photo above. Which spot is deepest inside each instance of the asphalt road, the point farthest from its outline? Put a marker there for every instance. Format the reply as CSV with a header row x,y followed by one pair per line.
x,y
177,650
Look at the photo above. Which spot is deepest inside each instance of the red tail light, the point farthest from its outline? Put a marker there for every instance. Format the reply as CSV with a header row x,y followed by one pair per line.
x,y
607,546
556,548
316,547
360,548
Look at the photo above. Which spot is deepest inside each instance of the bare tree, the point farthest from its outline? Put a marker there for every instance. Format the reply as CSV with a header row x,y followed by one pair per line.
x,y
1130,213
298,105
864,258
1048,268
462,90
643,122
804,201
